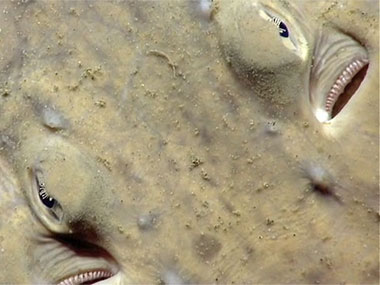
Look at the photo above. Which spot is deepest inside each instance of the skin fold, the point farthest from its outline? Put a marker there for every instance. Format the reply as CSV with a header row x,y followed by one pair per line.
x,y
181,145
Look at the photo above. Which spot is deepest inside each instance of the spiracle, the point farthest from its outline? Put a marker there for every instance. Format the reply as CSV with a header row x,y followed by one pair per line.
x,y
343,80
338,69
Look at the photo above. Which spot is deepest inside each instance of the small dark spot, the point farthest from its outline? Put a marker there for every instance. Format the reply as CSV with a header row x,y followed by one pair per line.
x,y
204,175
195,162
269,222
91,73
322,189
5,93
207,247
100,103
105,162
325,190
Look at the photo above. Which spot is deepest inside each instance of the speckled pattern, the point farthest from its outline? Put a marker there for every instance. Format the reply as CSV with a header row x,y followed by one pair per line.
x,y
181,145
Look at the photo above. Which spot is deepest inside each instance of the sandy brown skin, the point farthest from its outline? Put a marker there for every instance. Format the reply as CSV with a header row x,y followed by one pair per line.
x,y
165,154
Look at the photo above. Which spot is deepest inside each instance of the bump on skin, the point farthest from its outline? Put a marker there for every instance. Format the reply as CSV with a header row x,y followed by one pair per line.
x,y
146,222
171,277
272,128
205,8
53,119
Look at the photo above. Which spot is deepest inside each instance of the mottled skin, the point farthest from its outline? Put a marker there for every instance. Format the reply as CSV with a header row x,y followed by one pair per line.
x,y
160,120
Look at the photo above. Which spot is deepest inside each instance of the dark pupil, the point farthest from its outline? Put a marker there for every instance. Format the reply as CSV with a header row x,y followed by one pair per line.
x,y
283,30
44,197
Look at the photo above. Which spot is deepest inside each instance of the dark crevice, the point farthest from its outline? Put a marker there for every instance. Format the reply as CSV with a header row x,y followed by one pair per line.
x,y
95,280
81,247
349,91
324,190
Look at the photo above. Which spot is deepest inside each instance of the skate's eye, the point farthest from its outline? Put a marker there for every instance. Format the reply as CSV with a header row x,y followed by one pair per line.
x,y
291,37
44,196
282,29
52,206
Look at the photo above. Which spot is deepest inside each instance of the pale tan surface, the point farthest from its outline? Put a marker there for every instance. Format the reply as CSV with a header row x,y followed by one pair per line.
x,y
145,93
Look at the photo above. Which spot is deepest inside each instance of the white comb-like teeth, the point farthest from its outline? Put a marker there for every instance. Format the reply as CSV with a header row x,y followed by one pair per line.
x,y
347,74
86,277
